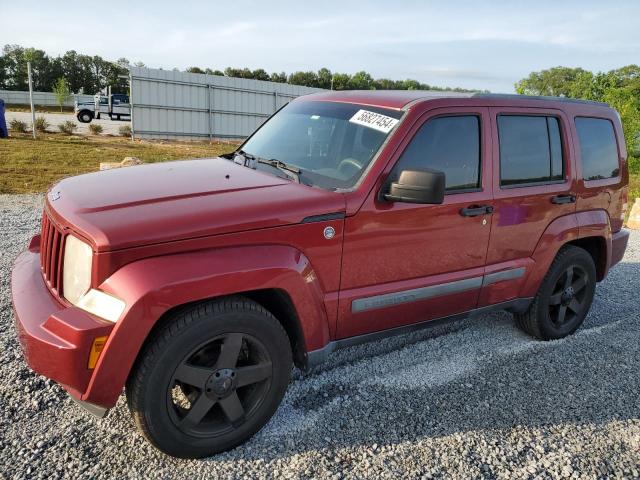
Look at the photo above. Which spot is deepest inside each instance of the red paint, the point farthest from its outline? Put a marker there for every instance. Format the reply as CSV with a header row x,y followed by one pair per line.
x,y
172,233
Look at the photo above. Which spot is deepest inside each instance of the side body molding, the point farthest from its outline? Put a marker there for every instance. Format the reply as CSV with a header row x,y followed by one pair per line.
x,y
153,286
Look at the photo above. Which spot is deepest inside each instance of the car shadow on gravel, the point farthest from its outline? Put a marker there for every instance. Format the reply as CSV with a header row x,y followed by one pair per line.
x,y
587,379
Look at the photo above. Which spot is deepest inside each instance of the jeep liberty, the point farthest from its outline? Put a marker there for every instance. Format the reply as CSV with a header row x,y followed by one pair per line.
x,y
197,285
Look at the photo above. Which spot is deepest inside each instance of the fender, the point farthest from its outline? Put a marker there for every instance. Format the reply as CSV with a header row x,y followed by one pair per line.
x,y
565,229
152,286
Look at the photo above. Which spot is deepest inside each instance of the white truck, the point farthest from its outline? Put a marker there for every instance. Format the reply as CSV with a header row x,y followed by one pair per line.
x,y
117,106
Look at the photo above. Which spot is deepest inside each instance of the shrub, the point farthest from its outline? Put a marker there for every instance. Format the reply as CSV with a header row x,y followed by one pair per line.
x,y
68,127
95,129
42,124
18,126
125,131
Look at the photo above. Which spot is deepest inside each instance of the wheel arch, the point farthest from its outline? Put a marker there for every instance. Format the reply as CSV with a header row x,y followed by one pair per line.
x,y
589,230
279,278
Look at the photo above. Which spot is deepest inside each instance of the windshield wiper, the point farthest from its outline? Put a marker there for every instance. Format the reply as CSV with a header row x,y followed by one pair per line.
x,y
251,161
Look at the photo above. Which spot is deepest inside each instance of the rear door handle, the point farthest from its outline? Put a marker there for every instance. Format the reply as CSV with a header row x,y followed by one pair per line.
x,y
475,210
561,199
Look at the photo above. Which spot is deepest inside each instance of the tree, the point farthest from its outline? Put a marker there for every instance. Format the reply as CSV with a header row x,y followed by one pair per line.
x,y
260,74
324,78
341,81
195,70
361,81
307,79
61,91
213,72
279,77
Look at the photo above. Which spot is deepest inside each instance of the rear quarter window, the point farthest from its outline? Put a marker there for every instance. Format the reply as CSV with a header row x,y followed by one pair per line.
x,y
598,148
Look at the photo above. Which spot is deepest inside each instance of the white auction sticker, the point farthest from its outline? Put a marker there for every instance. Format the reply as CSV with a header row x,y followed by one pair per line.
x,y
374,120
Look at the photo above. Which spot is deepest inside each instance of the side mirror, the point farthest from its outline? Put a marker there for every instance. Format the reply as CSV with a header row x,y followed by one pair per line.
x,y
416,186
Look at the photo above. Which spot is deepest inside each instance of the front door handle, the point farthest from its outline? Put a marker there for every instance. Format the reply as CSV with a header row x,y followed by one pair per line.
x,y
562,199
475,210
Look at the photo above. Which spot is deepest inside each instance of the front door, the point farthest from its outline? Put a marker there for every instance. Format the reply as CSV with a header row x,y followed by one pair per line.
x,y
404,263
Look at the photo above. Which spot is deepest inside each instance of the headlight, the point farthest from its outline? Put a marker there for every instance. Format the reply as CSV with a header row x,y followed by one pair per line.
x,y
76,270
76,281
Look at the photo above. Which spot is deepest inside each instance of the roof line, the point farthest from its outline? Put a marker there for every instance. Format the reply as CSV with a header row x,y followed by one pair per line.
x,y
513,96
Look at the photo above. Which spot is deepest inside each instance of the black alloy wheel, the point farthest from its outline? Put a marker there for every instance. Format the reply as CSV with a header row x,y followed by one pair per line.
x,y
209,377
564,297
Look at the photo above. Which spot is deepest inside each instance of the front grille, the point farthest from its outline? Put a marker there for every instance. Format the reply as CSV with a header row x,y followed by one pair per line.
x,y
51,251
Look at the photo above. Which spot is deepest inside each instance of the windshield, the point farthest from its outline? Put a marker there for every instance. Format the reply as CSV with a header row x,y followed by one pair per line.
x,y
330,143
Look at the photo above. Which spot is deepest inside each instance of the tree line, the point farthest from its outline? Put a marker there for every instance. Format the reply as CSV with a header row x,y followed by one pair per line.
x,y
620,88
90,74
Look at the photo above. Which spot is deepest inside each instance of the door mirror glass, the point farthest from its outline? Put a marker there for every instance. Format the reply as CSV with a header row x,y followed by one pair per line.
x,y
417,186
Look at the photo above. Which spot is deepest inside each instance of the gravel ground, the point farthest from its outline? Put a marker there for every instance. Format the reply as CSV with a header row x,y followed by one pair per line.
x,y
55,119
473,399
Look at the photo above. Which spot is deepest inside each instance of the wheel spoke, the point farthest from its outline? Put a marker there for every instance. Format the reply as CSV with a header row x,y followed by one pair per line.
x,y
191,375
569,278
197,411
252,374
579,284
230,351
562,312
575,306
232,408
555,299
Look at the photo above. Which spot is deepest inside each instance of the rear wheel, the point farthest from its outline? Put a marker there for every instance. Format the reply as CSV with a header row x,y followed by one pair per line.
x,y
564,298
210,378
85,116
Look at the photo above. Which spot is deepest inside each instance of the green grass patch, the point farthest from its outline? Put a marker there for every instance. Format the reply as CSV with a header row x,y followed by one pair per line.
x,y
29,166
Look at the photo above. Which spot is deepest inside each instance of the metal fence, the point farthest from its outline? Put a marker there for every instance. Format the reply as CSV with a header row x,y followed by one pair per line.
x,y
177,105
40,98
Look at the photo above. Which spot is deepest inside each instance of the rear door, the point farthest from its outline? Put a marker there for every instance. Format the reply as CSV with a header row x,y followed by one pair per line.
x,y
404,263
532,186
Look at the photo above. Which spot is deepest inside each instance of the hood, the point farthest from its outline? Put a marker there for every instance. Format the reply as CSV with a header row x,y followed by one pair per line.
x,y
163,202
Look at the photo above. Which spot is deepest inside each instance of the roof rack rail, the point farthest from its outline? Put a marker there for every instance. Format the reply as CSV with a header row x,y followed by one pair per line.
x,y
537,97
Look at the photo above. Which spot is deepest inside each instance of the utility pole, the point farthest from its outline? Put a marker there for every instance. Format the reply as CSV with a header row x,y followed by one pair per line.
x,y
33,110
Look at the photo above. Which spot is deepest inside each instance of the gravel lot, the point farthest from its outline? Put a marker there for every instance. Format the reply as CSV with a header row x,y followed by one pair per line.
x,y
473,399
55,119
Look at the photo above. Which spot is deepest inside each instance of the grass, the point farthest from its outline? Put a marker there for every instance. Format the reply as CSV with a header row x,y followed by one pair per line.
x,y
13,107
29,166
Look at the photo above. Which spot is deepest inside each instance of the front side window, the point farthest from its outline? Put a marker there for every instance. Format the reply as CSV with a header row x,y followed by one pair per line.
x,y
331,143
530,150
450,145
598,148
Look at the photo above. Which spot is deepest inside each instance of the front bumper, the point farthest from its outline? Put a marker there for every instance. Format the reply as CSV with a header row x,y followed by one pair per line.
x,y
56,339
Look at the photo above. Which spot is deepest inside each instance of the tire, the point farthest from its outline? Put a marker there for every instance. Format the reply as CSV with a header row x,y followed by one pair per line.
x,y
564,299
85,116
198,359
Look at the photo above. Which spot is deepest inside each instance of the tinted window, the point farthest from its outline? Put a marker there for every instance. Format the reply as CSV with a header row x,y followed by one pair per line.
x,y
448,144
598,148
530,150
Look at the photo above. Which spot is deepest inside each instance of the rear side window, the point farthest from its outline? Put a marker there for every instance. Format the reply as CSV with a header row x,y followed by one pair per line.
x,y
598,148
530,150
450,145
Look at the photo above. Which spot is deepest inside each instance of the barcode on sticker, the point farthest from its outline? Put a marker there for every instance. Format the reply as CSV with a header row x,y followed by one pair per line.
x,y
374,120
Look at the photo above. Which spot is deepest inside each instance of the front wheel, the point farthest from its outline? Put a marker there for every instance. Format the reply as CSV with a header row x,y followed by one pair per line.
x,y
564,298
210,378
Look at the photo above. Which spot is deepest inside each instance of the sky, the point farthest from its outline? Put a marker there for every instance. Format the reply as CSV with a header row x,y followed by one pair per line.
x,y
471,44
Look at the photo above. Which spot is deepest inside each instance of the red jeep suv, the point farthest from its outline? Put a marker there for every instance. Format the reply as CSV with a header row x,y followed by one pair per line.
x,y
347,217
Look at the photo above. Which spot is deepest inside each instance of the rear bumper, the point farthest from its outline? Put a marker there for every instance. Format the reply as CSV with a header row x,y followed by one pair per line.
x,y
619,242
56,339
